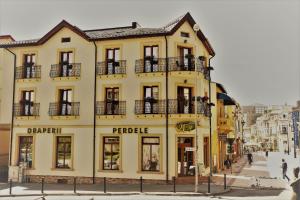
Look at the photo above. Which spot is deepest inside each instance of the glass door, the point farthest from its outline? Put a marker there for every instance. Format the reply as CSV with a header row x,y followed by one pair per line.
x,y
184,97
185,157
150,99
112,101
151,58
66,58
29,61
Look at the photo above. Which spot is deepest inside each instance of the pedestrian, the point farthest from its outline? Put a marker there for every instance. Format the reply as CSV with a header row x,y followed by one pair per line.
x,y
227,162
296,172
250,157
267,153
284,170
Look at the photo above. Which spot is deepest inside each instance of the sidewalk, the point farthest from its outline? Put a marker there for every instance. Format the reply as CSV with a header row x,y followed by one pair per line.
x,y
32,189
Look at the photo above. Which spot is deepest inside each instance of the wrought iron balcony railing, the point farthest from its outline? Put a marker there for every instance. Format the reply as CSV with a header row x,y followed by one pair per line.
x,y
24,109
111,67
28,72
111,108
182,63
65,70
203,108
64,109
150,65
150,106
178,106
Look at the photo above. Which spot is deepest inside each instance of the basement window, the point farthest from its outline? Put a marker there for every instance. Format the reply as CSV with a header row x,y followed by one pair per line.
x,y
65,39
185,34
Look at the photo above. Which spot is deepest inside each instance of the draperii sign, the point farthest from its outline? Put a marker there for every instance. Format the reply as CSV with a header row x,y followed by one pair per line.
x,y
44,130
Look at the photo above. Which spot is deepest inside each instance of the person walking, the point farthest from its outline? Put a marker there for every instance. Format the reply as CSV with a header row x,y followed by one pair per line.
x,y
284,170
267,153
250,158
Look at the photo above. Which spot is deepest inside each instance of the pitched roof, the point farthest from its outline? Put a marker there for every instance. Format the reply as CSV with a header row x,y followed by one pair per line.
x,y
7,37
133,31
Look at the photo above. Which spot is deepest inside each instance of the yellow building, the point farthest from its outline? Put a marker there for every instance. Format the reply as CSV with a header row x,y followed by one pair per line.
x,y
115,102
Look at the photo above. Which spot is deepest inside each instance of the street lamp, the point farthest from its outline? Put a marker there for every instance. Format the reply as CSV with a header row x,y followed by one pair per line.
x,y
243,123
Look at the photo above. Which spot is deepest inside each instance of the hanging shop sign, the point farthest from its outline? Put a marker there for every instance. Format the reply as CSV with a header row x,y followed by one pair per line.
x,y
125,130
222,136
44,130
185,126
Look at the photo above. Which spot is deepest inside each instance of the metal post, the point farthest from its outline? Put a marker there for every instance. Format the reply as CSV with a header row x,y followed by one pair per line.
x,y
104,184
42,189
288,142
208,189
225,186
174,184
74,185
10,187
141,184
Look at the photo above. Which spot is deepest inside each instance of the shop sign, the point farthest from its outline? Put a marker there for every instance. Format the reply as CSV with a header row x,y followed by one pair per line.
x,y
129,130
190,149
222,136
44,130
185,126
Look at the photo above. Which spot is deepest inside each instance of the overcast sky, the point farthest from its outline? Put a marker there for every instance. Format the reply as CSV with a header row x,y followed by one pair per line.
x,y
257,42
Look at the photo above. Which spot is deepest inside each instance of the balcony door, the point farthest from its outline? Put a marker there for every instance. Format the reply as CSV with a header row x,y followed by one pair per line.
x,y
112,60
29,61
65,101
185,57
184,100
151,58
112,101
27,102
150,99
66,58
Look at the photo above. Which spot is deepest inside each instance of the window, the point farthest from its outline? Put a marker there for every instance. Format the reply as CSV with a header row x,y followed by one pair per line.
x,y
150,153
65,101
112,101
66,59
29,69
111,153
65,39
112,60
27,100
151,58
63,152
185,34
206,151
150,99
184,98
25,150
186,59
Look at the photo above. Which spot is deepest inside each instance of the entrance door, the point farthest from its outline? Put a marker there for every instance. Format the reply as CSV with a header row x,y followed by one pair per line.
x,y
185,158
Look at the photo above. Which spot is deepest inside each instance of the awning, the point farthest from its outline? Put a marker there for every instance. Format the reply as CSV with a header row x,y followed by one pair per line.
x,y
227,99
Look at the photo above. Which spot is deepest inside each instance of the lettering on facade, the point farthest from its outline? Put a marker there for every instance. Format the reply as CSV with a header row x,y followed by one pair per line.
x,y
44,130
185,126
130,130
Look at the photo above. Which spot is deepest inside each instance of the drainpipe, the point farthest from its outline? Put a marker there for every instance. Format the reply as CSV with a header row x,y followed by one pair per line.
x,y
94,127
12,107
167,112
210,115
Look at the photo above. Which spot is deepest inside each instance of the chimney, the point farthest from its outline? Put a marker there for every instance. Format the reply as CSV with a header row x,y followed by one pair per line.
x,y
134,24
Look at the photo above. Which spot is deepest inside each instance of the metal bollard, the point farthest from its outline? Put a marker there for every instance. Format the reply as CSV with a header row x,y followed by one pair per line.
x,y
141,184
104,184
43,182
208,189
74,185
174,184
10,187
225,186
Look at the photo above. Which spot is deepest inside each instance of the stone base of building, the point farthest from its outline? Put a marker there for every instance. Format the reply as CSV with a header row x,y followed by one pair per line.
x,y
89,180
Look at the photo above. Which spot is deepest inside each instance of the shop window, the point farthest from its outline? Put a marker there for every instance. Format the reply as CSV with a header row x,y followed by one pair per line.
x,y
150,154
111,153
64,152
25,150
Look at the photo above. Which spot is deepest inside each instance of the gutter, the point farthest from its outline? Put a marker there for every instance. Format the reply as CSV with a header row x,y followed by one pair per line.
x,y
12,106
94,125
167,112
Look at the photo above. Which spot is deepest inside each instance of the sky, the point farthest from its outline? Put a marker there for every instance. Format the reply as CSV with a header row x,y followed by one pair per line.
x,y
257,42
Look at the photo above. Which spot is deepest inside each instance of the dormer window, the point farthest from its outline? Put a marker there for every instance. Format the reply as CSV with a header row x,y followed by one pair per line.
x,y
185,34
65,39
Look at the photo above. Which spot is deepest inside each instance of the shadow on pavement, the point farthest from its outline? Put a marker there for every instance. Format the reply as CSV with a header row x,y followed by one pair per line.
x,y
251,193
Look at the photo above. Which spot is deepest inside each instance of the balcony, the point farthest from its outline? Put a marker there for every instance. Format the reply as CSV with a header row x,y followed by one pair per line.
x,y
150,106
111,67
110,108
26,110
28,72
181,106
203,108
65,70
151,65
64,109
181,64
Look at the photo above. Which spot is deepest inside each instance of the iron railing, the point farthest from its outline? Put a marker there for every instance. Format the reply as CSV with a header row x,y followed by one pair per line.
x,y
150,106
182,63
28,72
111,108
65,70
22,109
64,109
150,65
203,108
181,106
111,67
